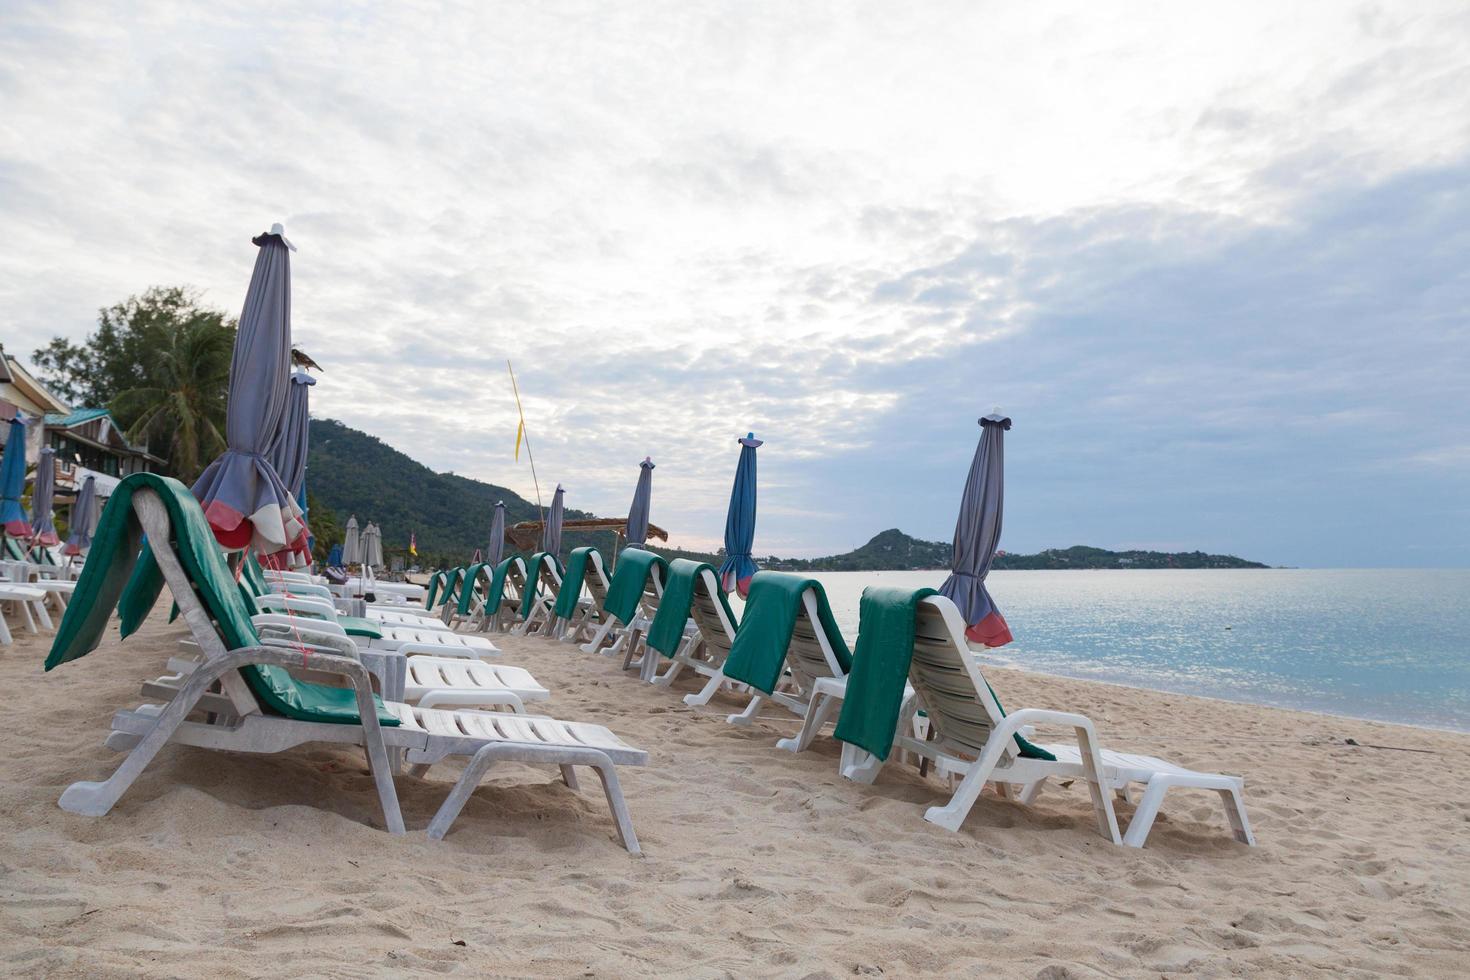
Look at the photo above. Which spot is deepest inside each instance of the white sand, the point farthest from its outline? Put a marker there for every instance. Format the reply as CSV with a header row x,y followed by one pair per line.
x,y
757,861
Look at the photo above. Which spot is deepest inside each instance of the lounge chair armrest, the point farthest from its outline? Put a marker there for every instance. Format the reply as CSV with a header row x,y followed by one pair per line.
x,y
292,635
303,623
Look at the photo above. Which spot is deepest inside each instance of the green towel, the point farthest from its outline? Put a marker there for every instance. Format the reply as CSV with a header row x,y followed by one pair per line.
x,y
118,560
533,582
467,590
667,630
452,585
629,581
759,650
436,582
880,668
496,592
571,583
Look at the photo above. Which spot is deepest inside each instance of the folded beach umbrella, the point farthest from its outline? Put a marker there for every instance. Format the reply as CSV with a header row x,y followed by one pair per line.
x,y
551,536
13,481
43,529
738,567
334,557
79,537
496,552
372,546
976,535
242,494
288,448
642,498
351,543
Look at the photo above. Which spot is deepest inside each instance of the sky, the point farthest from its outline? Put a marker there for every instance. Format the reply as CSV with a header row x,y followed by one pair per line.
x,y
1213,259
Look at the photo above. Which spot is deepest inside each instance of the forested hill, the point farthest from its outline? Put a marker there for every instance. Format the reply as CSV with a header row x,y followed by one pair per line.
x,y
351,472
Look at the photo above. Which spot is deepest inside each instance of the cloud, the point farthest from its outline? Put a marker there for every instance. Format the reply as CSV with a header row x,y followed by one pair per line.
x,y
1211,261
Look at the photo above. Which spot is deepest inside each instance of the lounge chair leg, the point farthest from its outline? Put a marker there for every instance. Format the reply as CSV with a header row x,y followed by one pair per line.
x,y
858,765
710,689
5,638
469,781
817,710
751,710
953,814
569,776
419,770
1240,824
619,807
592,645
1031,792
1148,809
94,799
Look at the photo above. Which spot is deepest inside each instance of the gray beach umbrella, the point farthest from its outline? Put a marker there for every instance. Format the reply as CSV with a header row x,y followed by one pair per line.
x,y
79,538
496,552
288,449
43,528
372,546
351,543
642,498
551,538
242,494
977,534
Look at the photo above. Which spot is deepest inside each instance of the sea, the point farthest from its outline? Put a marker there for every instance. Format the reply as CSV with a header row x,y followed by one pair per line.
x,y
1383,644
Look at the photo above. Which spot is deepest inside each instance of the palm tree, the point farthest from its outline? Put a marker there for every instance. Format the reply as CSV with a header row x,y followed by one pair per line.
x,y
182,404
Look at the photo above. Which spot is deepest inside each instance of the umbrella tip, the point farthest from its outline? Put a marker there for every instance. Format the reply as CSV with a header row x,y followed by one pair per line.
x,y
279,230
750,440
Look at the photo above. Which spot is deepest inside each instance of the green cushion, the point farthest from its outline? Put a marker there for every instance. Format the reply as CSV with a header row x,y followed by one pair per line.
x,y
119,563
533,582
358,626
470,587
667,630
771,608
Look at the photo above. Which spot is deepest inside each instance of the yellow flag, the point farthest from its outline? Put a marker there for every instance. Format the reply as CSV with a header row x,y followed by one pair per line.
x,y
520,429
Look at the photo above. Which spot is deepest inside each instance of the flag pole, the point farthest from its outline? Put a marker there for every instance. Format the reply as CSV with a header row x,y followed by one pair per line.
x,y
523,433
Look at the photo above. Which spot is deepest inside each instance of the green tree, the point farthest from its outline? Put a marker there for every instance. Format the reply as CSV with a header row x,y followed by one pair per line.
x,y
182,403
160,362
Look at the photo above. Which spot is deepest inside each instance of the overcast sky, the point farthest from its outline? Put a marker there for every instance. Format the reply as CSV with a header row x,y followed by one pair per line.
x,y
1214,260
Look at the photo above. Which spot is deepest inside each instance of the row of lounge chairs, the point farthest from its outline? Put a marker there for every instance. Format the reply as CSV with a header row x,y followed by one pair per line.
x,y
665,618
276,661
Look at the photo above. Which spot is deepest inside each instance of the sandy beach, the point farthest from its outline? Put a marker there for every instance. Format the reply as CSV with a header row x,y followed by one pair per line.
x,y
757,861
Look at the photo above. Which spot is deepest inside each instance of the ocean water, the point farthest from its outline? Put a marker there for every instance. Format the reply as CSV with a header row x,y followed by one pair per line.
x,y
1391,645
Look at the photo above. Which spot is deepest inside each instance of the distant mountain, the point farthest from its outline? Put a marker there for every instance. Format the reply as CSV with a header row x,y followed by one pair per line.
x,y
352,472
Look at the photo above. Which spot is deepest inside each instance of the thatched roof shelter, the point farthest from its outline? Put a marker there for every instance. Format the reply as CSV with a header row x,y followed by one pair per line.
x,y
526,535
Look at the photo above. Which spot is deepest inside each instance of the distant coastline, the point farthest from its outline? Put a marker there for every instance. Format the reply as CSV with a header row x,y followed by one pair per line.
x,y
895,551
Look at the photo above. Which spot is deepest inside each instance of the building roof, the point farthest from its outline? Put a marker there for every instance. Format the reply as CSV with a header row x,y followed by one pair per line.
x,y
76,417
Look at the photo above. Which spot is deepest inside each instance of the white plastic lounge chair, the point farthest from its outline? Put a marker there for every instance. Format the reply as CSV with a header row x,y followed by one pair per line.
x,y
589,614
706,636
27,603
813,652
972,736
259,706
539,621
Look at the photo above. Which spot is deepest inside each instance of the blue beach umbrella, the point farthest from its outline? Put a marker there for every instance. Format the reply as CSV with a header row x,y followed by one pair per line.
x,y
83,516
738,567
977,534
242,494
334,557
43,528
496,552
13,481
642,499
551,535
